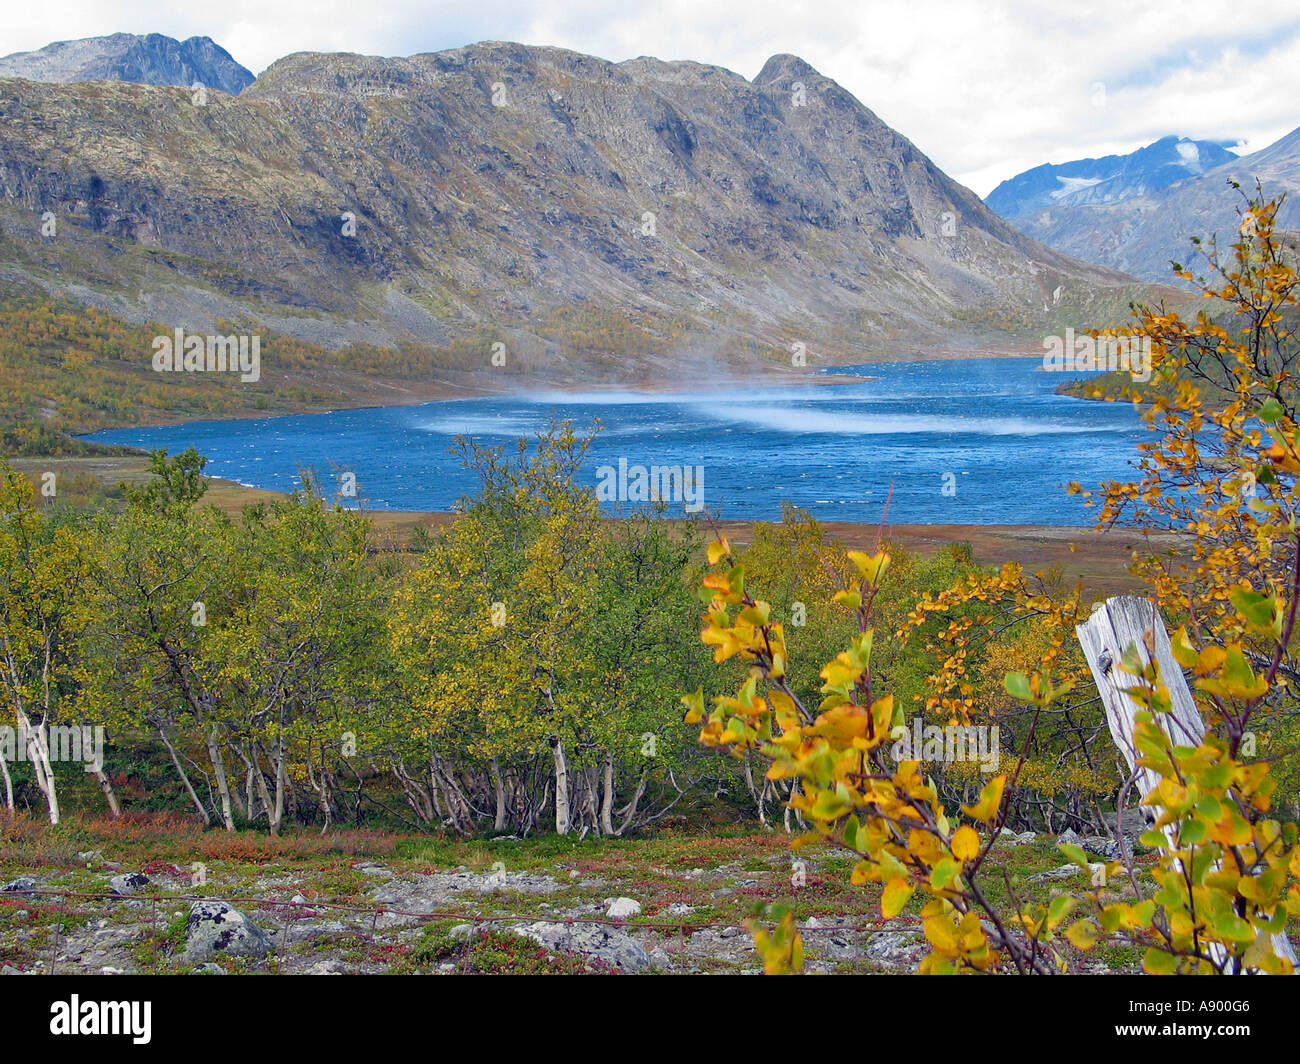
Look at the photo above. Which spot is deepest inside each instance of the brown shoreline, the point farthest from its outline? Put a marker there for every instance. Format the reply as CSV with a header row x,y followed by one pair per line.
x,y
379,393
1099,559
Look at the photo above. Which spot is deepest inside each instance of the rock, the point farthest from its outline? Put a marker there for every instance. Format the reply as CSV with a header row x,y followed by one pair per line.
x,y
437,892
1070,837
608,944
110,970
21,885
622,908
723,892
9,969
1102,846
1061,872
829,940
1025,837
325,968
660,959
306,930
893,947
1135,823
209,969
151,60
128,884
216,927
679,908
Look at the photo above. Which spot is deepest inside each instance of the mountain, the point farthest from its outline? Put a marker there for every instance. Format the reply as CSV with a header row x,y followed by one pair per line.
x,y
151,60
584,214
1145,230
1106,180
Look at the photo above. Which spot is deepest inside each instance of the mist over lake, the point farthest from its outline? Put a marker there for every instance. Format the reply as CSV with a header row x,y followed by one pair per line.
x,y
996,425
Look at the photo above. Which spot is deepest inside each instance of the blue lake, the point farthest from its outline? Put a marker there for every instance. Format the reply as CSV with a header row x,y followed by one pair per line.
x,y
995,425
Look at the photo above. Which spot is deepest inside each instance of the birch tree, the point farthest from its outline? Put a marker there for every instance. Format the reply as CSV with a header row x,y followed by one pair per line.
x,y
45,604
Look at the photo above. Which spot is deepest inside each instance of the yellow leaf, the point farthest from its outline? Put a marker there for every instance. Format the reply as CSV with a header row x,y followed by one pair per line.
x,y
965,843
871,566
895,896
1082,934
990,799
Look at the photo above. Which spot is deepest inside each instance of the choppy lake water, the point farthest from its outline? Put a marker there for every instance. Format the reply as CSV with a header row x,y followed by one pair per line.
x,y
995,425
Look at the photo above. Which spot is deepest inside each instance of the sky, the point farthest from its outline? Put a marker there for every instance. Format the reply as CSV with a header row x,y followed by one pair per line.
x,y
985,89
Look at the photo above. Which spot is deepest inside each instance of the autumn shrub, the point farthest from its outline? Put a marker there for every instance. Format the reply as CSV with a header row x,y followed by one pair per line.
x,y
1228,869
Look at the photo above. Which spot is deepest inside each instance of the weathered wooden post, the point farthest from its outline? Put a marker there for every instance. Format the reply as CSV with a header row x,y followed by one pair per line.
x,y
1114,627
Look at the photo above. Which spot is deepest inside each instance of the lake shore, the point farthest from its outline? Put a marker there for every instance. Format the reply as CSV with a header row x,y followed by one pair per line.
x,y
1097,559
381,393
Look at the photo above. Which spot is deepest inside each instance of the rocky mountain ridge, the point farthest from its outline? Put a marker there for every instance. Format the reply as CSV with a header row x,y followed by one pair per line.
x,y
150,59
1108,179
1144,231
551,202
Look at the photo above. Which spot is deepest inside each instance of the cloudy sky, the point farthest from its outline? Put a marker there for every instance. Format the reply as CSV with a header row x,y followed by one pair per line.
x,y
986,89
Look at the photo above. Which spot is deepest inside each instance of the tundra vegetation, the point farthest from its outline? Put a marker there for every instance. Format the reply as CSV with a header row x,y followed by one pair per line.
x,y
518,670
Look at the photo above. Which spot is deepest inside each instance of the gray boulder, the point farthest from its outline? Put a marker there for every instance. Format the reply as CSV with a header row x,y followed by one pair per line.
x,y
608,944
1060,872
214,927
1102,847
1135,822
622,908
128,884
21,885
895,947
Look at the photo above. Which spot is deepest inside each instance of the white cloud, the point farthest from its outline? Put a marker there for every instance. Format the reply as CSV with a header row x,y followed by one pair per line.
x,y
986,90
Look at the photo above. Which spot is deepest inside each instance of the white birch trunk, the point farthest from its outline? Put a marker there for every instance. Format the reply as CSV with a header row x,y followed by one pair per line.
x,y
561,788
1105,637
223,784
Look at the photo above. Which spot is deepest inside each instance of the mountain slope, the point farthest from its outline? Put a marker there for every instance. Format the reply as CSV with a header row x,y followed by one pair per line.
x,y
1106,180
1142,233
554,202
151,60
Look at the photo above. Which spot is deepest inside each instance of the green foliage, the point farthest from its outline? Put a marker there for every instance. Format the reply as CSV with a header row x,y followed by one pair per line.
x,y
72,369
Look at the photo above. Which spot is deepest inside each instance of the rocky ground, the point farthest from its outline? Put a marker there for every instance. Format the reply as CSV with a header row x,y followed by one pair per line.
x,y
665,905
